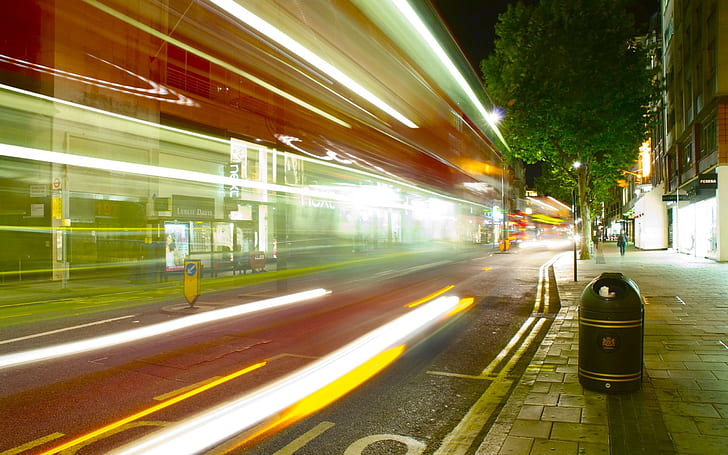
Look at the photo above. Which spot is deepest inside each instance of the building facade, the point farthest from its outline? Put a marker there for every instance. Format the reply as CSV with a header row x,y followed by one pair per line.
x,y
135,135
680,198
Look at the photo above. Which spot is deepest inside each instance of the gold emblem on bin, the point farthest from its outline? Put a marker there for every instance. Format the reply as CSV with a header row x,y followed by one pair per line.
x,y
608,343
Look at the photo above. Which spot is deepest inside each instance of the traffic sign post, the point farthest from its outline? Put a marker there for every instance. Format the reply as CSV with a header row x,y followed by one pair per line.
x,y
192,280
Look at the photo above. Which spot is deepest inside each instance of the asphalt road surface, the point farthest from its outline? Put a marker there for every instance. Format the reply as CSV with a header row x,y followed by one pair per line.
x,y
435,391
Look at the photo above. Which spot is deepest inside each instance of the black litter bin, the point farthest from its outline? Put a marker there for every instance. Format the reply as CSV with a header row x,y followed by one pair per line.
x,y
611,334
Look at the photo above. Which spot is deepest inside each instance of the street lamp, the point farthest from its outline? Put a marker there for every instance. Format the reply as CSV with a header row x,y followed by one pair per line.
x,y
575,165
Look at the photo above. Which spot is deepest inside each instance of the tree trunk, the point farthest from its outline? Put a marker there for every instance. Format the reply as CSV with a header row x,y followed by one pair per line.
x,y
585,216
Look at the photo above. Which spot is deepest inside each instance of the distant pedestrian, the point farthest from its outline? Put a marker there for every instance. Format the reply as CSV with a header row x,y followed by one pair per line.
x,y
622,243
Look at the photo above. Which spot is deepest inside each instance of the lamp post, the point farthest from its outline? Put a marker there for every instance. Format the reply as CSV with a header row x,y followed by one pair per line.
x,y
504,231
573,214
576,165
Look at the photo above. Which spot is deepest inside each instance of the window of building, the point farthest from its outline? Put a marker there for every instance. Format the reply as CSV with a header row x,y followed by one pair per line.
x,y
686,155
709,137
672,163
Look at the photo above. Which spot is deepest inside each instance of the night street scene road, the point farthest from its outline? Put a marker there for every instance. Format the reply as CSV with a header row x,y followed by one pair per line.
x,y
366,227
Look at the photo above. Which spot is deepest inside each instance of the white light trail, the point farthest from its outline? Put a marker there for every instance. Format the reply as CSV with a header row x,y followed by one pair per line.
x,y
286,41
116,339
411,15
208,429
149,170
217,61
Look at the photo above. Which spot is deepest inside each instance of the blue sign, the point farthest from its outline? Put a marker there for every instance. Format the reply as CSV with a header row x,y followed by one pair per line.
x,y
191,268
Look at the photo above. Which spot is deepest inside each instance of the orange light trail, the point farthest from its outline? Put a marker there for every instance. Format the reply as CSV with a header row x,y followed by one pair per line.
x,y
430,297
153,409
462,305
295,395
328,394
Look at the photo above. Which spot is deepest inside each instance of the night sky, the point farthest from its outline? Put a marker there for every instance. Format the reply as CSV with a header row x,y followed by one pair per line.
x,y
472,22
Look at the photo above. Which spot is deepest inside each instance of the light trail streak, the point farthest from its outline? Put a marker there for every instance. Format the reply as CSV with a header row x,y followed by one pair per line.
x,y
277,402
110,114
227,181
218,62
245,16
153,409
411,15
65,329
430,297
147,170
36,355
154,91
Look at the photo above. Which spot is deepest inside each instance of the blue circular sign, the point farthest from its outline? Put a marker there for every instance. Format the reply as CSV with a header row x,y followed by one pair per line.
x,y
191,269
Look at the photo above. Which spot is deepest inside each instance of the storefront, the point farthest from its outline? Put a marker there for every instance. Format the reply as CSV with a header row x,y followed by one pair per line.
x,y
695,218
649,219
193,231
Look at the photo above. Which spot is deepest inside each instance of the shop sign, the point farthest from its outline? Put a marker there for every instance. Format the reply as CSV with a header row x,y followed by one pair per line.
x,y
708,182
318,203
233,171
237,168
38,190
193,207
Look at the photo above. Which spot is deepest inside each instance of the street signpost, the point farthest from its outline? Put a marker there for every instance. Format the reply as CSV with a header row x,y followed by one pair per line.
x,y
192,280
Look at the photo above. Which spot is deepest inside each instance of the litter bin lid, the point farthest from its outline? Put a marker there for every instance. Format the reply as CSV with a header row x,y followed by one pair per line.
x,y
613,292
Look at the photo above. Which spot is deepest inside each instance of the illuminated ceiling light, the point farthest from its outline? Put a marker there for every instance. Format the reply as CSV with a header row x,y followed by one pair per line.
x,y
294,46
404,7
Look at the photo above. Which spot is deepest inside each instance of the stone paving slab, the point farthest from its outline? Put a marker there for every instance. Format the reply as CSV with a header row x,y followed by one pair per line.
x,y
682,405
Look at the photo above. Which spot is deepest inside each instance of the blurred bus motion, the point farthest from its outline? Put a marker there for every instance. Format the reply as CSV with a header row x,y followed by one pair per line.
x,y
544,222
136,134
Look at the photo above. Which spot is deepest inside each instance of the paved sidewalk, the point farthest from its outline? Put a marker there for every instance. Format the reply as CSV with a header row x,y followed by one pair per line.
x,y
682,406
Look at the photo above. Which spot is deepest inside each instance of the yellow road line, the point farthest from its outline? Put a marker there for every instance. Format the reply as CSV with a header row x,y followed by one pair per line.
x,y
153,409
464,376
304,439
185,389
32,444
459,440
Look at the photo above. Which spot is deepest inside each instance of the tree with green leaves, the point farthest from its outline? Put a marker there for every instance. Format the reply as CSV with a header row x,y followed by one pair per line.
x,y
576,85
